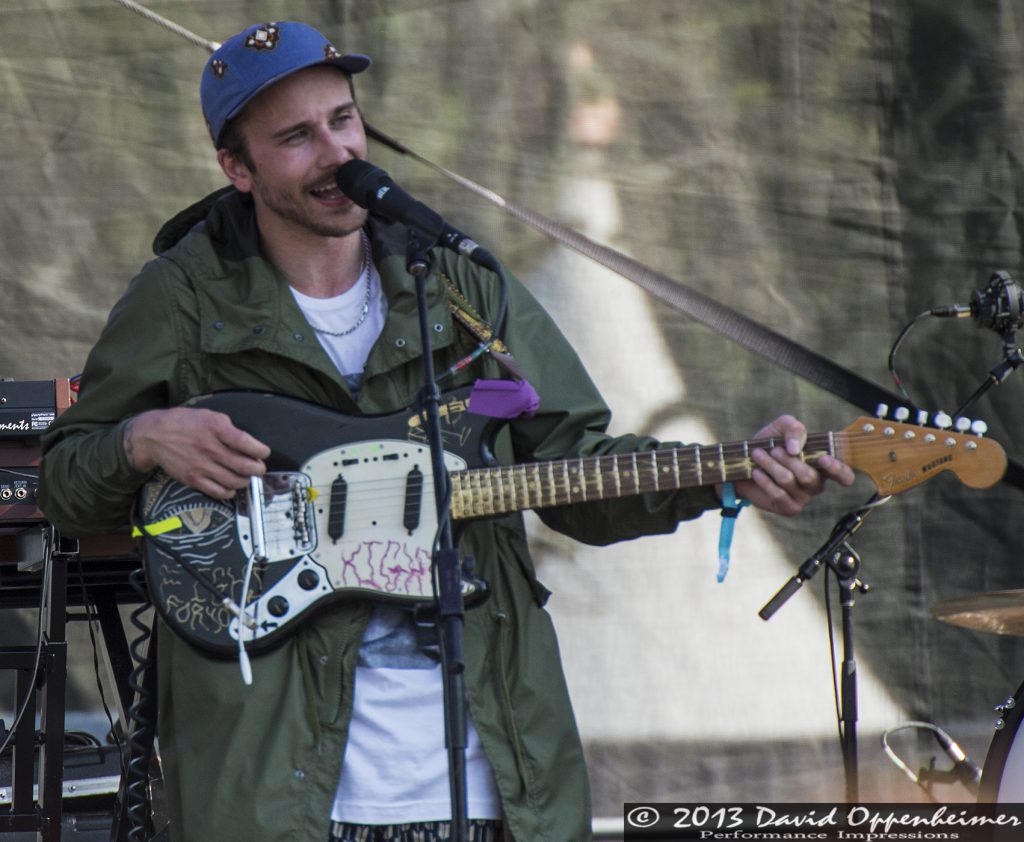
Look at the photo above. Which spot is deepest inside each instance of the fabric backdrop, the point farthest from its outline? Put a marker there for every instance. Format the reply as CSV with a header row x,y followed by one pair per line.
x,y
831,169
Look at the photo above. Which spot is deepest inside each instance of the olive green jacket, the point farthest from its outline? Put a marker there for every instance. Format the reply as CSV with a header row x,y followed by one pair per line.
x,y
262,762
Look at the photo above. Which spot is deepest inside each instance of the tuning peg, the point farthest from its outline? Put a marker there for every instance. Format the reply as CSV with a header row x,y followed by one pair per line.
x,y
922,417
962,425
979,428
901,413
881,410
942,420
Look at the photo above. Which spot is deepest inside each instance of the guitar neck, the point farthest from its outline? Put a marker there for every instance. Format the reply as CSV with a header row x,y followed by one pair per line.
x,y
483,492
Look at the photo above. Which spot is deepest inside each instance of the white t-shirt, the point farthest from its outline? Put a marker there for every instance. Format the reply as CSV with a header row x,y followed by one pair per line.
x,y
396,762
395,769
341,312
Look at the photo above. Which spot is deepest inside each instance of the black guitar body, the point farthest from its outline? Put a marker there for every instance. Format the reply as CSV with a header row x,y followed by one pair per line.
x,y
347,511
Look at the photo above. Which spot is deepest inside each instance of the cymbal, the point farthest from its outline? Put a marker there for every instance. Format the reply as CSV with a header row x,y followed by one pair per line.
x,y
1001,612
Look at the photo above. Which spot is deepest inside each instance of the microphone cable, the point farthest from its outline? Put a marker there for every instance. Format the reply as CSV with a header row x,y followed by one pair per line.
x,y
897,381
91,617
948,745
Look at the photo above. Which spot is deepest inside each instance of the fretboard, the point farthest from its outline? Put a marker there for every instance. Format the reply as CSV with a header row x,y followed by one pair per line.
x,y
483,492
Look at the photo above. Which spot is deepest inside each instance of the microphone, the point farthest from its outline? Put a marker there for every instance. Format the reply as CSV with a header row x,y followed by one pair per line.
x,y
999,307
964,770
372,188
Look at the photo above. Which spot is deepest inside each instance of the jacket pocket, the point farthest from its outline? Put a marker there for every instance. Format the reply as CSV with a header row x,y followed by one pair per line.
x,y
511,543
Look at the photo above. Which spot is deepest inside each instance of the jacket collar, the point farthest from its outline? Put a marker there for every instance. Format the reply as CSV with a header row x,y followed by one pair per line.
x,y
245,303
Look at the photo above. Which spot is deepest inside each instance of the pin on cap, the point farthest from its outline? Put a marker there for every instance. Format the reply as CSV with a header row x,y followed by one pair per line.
x,y
256,58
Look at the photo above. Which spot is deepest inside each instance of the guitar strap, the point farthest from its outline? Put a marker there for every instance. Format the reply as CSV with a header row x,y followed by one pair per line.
x,y
467,317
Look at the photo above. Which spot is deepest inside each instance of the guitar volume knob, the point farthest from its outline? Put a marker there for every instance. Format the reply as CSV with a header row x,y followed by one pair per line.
x,y
309,580
278,606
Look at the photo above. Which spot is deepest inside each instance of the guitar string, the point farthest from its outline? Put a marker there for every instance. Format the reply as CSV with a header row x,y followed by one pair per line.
x,y
735,456
609,462
381,493
393,487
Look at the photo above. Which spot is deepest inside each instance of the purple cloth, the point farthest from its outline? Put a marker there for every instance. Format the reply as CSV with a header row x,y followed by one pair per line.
x,y
503,399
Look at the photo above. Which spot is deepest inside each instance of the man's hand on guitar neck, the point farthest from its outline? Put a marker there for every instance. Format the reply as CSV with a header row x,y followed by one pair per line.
x,y
783,482
197,447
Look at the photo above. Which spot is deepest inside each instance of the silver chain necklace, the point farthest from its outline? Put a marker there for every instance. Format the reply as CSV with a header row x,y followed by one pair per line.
x,y
365,241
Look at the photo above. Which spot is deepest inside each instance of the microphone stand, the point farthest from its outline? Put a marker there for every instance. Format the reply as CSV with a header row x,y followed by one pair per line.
x,y
837,553
1011,361
450,612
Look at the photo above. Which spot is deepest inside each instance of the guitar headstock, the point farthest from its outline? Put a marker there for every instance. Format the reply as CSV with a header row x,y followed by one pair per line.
x,y
898,455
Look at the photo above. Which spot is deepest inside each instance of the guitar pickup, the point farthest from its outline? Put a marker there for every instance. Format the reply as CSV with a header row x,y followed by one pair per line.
x,y
338,507
413,499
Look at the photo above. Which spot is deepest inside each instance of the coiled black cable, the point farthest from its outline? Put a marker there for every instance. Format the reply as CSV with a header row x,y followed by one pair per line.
x,y
142,723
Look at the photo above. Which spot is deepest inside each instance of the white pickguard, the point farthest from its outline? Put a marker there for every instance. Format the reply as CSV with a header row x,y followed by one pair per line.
x,y
375,553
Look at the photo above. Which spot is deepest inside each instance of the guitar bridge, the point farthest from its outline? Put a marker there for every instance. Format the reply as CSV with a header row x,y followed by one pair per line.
x,y
289,527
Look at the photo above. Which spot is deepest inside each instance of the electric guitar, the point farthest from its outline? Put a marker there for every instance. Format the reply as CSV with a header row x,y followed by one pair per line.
x,y
347,506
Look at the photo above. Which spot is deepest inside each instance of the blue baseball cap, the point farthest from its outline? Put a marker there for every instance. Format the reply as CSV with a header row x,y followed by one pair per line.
x,y
255,59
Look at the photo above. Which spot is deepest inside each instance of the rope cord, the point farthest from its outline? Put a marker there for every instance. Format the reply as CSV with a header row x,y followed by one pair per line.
x,y
170,25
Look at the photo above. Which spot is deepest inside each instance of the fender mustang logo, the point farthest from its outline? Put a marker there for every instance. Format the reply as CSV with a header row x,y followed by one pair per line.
x,y
936,463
